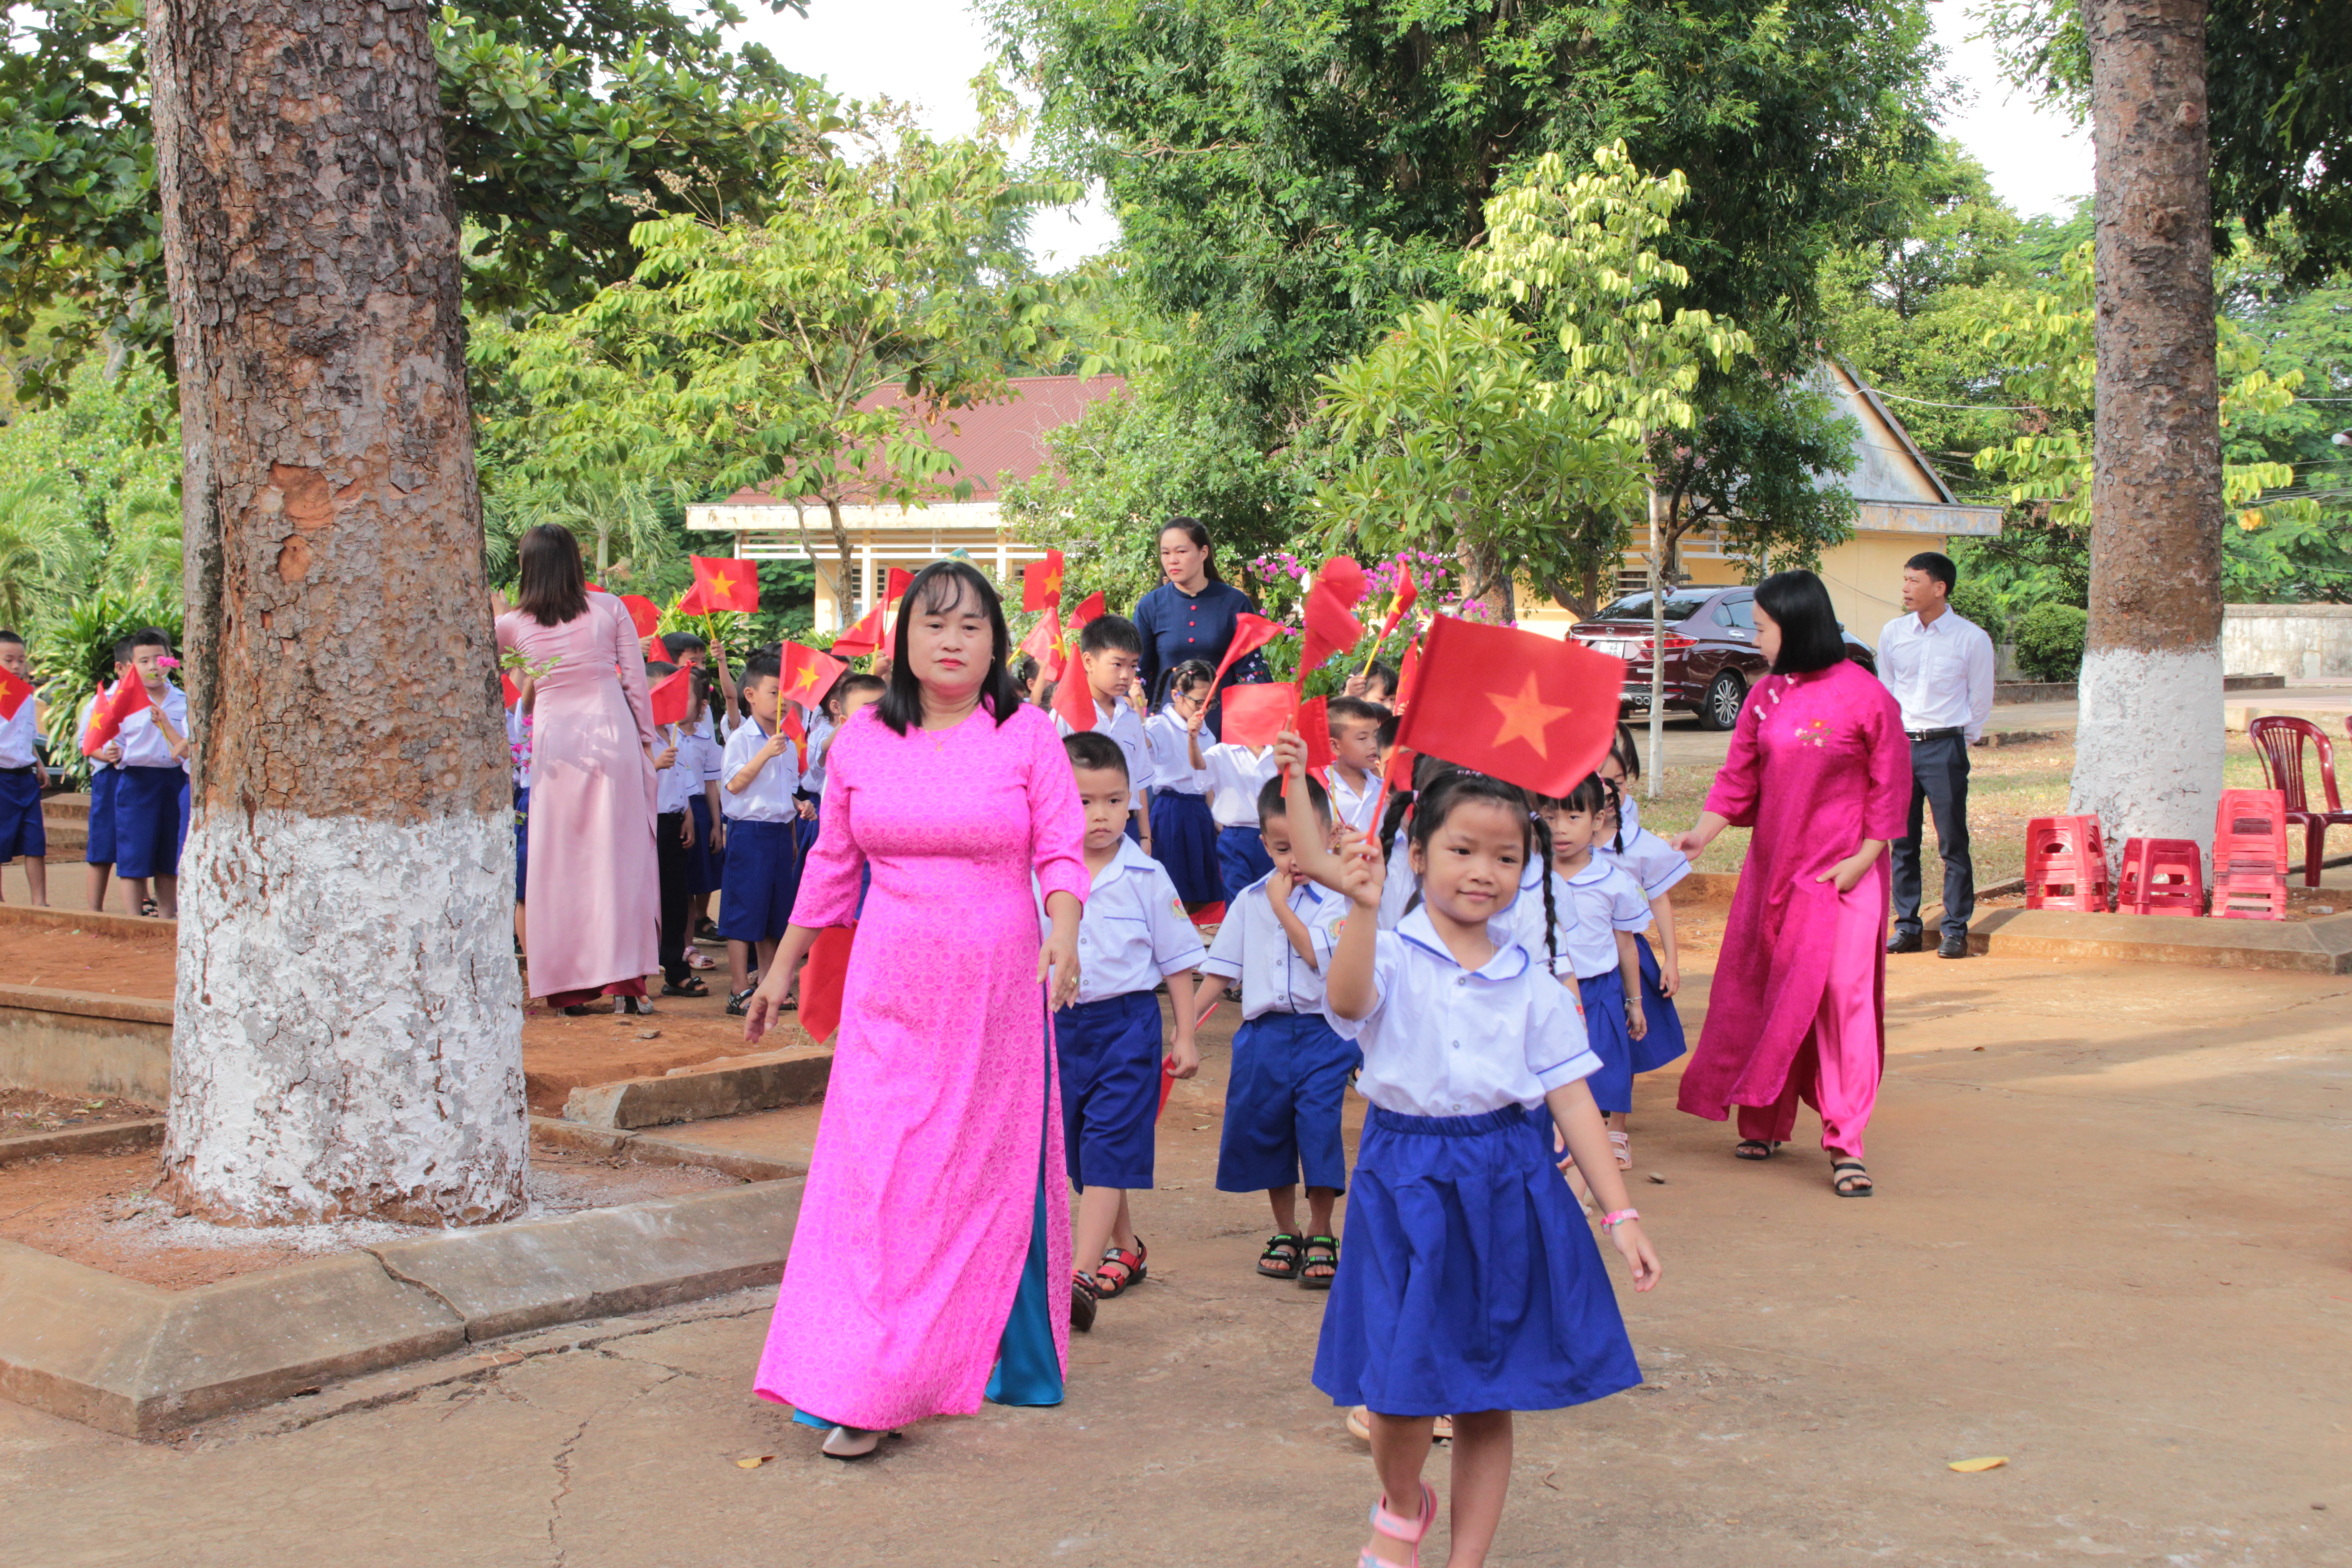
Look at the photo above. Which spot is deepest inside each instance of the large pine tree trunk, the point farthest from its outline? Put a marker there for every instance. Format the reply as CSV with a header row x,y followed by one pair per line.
x,y
2148,757
348,1027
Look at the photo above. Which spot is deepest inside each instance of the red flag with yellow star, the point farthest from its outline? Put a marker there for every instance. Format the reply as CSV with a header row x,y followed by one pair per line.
x,y
1044,644
1251,632
1330,626
15,692
643,613
671,696
1529,711
724,584
1091,607
862,638
1041,582
808,675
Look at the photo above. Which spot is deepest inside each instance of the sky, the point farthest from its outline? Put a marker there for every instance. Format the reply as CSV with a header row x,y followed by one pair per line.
x,y
926,52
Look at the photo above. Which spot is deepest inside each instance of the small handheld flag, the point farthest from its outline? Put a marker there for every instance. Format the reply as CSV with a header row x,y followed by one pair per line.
x,y
1331,626
822,979
862,638
1090,608
1255,714
1529,711
1074,698
726,585
1041,582
15,692
106,719
808,675
1399,603
1251,632
671,696
643,613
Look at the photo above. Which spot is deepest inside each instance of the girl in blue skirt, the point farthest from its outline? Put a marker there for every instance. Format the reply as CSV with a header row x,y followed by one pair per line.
x,y
1657,866
1183,830
1470,1286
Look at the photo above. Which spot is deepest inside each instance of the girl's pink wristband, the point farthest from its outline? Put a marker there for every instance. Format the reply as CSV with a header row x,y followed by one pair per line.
x,y
1616,1217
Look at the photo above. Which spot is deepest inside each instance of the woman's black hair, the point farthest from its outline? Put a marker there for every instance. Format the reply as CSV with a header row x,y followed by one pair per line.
x,y
1183,677
1457,785
1199,537
1810,638
942,585
552,585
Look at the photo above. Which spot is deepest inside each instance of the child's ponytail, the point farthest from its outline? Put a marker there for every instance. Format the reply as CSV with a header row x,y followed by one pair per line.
x,y
1541,833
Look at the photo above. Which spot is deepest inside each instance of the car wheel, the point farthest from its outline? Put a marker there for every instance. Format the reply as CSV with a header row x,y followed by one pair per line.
x,y
1719,709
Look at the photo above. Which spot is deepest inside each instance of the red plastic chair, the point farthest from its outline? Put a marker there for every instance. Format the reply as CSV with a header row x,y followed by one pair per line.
x,y
2065,864
2250,856
2279,741
2162,877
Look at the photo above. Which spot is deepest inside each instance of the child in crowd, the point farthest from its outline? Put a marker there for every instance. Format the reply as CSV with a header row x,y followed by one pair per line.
x,y
1132,936
687,651
1183,830
151,749
704,760
1377,685
22,832
676,781
1355,762
1396,841
1657,867
1289,1070
1109,651
104,778
518,750
1471,1286
762,812
1236,774
1599,909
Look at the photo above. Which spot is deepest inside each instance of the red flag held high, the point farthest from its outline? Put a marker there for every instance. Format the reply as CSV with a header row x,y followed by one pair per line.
x,y
1044,644
671,696
808,675
1315,728
1090,608
15,692
643,613
788,724
1409,675
1531,711
1405,594
726,585
1041,582
1251,632
690,603
129,696
862,638
895,586
1074,698
1330,626
820,981
1255,714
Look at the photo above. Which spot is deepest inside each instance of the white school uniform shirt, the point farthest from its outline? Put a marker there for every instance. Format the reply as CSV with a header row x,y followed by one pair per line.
x,y
1650,860
821,731
1134,932
16,736
1124,726
676,784
770,796
1235,779
1251,947
1349,806
1940,673
142,744
710,758
1590,908
1443,1040
1172,772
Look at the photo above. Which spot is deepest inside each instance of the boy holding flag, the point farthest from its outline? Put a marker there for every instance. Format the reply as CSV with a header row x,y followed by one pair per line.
x,y
21,829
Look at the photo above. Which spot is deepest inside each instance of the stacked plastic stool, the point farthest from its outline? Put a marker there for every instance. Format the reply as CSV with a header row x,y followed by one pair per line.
x,y
2250,855
2065,864
2161,877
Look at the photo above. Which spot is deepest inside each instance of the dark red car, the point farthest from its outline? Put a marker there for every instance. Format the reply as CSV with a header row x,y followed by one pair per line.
x,y
1711,655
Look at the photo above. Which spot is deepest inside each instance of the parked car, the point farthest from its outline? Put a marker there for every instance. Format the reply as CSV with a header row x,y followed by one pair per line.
x,y
1711,658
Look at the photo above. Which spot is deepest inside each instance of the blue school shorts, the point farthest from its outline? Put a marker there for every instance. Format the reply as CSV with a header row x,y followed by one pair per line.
x,y
703,865
1109,1052
22,832
1282,1105
101,850
764,876
1241,856
522,843
147,822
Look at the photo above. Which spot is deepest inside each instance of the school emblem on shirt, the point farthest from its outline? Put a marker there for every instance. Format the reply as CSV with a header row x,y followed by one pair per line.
x,y
1178,905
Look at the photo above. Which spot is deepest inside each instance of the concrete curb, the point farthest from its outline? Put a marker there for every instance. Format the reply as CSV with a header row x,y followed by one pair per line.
x,y
142,1361
2311,947
103,1138
646,1149
82,1042
91,920
794,1076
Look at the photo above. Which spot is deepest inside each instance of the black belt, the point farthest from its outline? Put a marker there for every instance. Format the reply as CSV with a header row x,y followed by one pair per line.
x,y
1934,734
28,768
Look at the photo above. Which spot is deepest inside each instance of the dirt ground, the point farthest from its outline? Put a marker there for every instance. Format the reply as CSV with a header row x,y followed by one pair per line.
x,y
2108,1245
84,960
26,1110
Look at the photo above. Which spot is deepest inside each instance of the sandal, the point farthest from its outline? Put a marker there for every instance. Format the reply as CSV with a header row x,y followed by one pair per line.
x,y
1083,1295
1409,1530
735,1001
1849,1180
1322,1252
693,987
850,1443
1280,1258
147,909
634,1008
698,959
1621,1143
1755,1149
1131,1265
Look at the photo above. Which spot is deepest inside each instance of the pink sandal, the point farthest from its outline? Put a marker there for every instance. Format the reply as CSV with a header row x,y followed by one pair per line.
x,y
1409,1530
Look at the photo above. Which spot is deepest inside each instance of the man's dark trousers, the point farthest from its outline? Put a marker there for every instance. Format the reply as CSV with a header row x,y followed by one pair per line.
x,y
1939,779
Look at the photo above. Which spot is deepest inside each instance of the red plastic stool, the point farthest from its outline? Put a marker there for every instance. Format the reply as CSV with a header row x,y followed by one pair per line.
x,y
2161,877
2065,864
2250,855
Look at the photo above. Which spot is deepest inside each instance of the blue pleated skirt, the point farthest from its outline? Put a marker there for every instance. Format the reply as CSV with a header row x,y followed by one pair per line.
x,y
1622,1056
1184,841
1468,1282
1666,1041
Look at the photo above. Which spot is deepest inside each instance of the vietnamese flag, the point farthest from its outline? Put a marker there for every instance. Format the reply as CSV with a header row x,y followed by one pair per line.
x,y
1044,644
1090,608
509,693
1409,675
726,585
14,693
822,979
808,675
895,584
671,696
1251,632
1331,627
1527,710
788,723
862,638
1074,698
129,696
1255,714
1406,592
643,613
1041,582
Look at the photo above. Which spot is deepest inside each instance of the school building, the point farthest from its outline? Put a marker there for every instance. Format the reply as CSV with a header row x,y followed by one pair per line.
x,y
1902,506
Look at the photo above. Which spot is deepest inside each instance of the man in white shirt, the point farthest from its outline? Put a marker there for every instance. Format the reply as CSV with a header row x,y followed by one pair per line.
x,y
1939,664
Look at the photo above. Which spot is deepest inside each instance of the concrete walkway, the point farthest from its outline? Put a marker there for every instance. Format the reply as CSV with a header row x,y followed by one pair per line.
x,y
2108,1245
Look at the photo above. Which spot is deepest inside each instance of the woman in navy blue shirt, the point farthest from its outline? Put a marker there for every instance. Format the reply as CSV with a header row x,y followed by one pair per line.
x,y
1191,616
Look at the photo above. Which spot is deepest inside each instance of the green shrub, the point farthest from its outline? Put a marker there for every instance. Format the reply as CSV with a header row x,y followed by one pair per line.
x,y
1979,604
2050,641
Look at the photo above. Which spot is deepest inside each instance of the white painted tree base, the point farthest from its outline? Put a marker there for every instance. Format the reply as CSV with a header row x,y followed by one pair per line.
x,y
347,1036
2147,747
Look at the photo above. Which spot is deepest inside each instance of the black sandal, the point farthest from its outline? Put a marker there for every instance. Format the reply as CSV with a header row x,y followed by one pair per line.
x,y
693,987
1083,1295
1280,1258
736,1000
1849,1180
1322,1252
1754,1149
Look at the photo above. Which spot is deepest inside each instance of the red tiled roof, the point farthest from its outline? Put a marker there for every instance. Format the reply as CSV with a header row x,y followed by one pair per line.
x,y
995,439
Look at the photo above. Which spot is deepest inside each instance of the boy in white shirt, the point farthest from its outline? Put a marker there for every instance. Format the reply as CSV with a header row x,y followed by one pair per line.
x,y
1110,650
22,832
1290,1067
104,778
151,751
1236,774
762,782
1355,762
676,780
1133,935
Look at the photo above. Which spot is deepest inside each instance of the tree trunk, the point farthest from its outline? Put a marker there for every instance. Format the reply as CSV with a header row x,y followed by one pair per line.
x,y
2148,753
347,1035
850,582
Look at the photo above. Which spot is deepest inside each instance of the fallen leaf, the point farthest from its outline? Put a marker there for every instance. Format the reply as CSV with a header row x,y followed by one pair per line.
x,y
1971,1467
649,1033
1657,1178
1976,1048
754,1462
